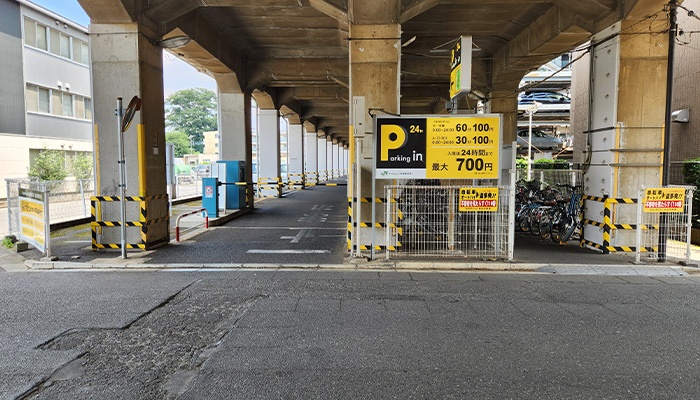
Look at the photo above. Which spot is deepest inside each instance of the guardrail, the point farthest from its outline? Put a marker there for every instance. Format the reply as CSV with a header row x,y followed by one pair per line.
x,y
177,221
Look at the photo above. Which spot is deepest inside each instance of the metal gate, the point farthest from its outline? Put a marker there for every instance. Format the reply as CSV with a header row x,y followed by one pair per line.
x,y
426,221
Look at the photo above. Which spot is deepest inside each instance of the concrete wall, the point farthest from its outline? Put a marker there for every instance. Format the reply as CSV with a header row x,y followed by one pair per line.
x,y
685,138
12,83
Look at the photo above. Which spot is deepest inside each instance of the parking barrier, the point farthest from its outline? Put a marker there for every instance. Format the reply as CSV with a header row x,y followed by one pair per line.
x,y
177,221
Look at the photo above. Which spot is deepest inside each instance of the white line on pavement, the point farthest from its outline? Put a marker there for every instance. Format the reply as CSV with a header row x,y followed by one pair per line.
x,y
256,251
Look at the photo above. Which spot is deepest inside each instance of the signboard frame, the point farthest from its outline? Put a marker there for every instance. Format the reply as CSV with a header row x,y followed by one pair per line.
x,y
461,67
422,123
29,221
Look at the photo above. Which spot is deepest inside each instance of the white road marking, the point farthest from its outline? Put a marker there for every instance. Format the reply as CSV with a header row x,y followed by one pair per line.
x,y
77,241
256,251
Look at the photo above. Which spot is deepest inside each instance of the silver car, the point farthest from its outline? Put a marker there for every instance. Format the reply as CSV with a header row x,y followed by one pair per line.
x,y
540,140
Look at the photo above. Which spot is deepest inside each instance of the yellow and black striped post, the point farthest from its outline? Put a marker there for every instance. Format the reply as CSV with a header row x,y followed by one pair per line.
x,y
607,220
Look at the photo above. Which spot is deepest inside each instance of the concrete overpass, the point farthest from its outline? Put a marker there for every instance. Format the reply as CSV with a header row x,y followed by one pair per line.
x,y
308,58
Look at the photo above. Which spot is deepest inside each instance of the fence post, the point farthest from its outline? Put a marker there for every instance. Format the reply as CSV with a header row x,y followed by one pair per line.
x,y
9,208
82,198
387,220
638,253
511,215
689,223
47,222
607,220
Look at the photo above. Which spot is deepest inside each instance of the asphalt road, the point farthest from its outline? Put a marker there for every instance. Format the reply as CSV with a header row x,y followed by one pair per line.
x,y
346,334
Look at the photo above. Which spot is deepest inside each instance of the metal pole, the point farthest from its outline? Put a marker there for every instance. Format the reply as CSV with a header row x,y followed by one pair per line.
x,y
358,201
47,223
529,146
689,223
122,178
640,201
511,215
9,208
666,170
82,197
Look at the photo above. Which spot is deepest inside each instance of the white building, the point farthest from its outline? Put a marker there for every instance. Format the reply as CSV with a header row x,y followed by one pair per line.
x,y
45,91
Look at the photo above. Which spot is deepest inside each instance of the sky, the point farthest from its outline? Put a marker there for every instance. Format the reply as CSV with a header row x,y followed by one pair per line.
x,y
177,74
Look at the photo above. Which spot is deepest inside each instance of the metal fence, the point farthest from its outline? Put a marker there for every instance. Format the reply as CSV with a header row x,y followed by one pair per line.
x,y
187,186
426,221
666,234
551,177
68,200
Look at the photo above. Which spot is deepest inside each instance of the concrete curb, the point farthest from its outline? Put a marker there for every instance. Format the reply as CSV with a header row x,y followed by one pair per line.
x,y
561,269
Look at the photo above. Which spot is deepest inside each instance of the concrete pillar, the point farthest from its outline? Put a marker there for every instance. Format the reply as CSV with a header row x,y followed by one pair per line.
x,y
322,160
336,160
330,173
269,152
295,155
124,64
374,54
506,103
625,123
234,124
311,156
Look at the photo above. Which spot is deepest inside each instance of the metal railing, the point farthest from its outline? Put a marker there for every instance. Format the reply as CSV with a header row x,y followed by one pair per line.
x,y
68,199
426,221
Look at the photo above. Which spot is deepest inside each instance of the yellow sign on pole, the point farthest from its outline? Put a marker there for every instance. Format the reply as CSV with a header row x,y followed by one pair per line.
x,y
478,199
462,148
664,200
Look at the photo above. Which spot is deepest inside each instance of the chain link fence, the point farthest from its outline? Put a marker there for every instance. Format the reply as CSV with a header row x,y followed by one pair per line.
x,y
68,200
426,221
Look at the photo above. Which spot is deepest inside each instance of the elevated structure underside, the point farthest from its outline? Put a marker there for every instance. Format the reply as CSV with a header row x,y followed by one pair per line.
x,y
296,51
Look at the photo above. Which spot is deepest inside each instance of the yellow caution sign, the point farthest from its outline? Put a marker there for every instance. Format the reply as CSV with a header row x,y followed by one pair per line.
x,y
478,199
462,148
664,200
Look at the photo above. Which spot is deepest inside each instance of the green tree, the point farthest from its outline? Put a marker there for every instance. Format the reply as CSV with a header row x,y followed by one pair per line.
x,y
81,166
49,165
192,111
181,142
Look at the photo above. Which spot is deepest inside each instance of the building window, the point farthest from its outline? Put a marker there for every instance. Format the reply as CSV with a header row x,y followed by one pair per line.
x,y
29,32
55,42
85,59
79,107
41,41
44,100
32,98
77,55
53,101
88,109
65,46
67,105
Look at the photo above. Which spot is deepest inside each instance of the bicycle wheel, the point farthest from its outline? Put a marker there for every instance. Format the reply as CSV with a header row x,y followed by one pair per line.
x,y
534,222
556,231
525,221
565,228
545,223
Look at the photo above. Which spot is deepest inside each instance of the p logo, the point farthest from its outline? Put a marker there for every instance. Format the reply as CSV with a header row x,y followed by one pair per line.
x,y
393,137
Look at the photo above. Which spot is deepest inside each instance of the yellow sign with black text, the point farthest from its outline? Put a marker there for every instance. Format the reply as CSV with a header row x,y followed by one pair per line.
x,y
664,200
478,199
462,148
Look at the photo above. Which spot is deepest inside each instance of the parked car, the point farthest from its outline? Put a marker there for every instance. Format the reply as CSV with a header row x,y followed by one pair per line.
x,y
544,98
540,140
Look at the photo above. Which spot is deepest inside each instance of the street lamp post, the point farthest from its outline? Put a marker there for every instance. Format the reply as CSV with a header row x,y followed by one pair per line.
x,y
530,110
